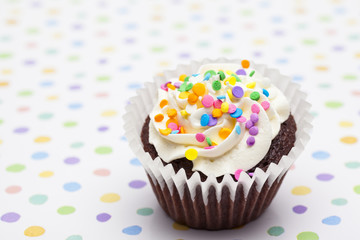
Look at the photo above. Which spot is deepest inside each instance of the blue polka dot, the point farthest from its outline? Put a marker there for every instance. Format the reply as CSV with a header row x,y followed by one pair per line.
x,y
135,162
39,155
132,230
332,220
46,83
72,186
298,78
123,138
134,85
320,155
125,68
75,105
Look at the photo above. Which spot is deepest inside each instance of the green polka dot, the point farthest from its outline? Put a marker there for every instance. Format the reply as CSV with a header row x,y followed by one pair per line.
x,y
45,116
70,124
246,12
103,19
352,165
203,44
145,211
158,49
33,31
103,78
350,77
103,150
74,237
357,189
79,75
77,145
5,55
51,51
333,104
227,50
324,85
25,93
354,37
179,25
309,42
15,168
1,121
325,18
307,236
275,231
339,201
73,58
65,210
38,199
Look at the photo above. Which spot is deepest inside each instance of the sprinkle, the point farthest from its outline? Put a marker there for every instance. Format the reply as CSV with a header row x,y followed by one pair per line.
x,y
245,63
212,121
207,77
200,137
182,77
249,124
237,174
232,80
187,79
173,126
182,87
229,93
166,131
182,129
171,120
238,92
217,113
216,85
192,98
236,77
224,133
217,104
177,84
237,113
159,117
212,72
265,105
228,72
204,121
199,89
221,97
225,107
255,96
189,87
252,73
254,118
208,140
221,75
191,154
241,119
250,141
214,143
241,72
195,74
163,103
175,132
184,113
251,174
255,108
172,87
171,112
209,147
232,108
163,87
238,129
207,101
254,131
265,92
184,95
251,85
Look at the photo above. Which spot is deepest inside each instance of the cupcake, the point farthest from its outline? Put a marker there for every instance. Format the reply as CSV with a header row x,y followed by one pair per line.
x,y
216,139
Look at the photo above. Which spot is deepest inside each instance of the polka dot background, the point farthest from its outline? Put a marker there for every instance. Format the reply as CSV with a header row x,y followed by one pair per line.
x,y
68,68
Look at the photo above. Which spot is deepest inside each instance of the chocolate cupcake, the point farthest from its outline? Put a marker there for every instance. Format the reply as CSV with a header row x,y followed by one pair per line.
x,y
216,139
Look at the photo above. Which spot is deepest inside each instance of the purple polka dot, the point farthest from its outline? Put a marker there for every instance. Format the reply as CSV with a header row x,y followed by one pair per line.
x,y
103,217
299,209
21,130
324,177
72,160
184,55
103,129
10,217
137,184
29,62
75,87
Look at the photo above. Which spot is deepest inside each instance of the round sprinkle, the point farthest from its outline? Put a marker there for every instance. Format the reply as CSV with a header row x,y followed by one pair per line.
x,y
221,75
175,132
254,131
177,84
221,97
250,141
224,133
232,108
171,112
189,87
251,85
252,73
184,113
192,98
191,154
225,107
254,118
216,85
237,174
199,89
265,105
211,72
171,120
238,92
163,103
241,72
238,129
241,119
255,108
166,131
265,92
173,126
204,121
208,140
217,104
232,80
184,95
200,137
245,63
237,113
182,77
159,117
217,113
255,96
249,124
207,101
212,121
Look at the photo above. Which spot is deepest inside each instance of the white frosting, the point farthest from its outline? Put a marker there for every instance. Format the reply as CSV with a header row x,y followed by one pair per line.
x,y
233,152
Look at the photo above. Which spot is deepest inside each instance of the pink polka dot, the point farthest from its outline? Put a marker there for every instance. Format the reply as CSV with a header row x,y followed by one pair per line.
x,y
23,109
102,95
102,172
13,189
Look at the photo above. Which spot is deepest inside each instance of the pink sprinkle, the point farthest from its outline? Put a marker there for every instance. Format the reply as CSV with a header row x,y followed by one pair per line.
x,y
241,119
217,104
255,108
163,87
207,101
200,137
173,126
251,174
237,174
250,141
265,105
232,108
209,147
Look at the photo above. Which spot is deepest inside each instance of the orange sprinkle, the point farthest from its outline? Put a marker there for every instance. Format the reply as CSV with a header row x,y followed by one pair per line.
x,y
192,98
184,95
213,143
182,129
172,87
245,63
171,113
165,132
224,133
199,89
163,103
159,117
182,77
217,113
172,120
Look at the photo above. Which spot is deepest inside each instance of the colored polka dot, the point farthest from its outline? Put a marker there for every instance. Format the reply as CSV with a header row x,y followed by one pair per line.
x,y
132,230
333,104
339,201
45,116
348,140
75,106
103,150
145,211
25,93
332,220
13,189
42,139
346,124
275,231
46,174
320,155
21,130
71,160
72,186
299,209
76,145
357,189
10,217
15,168
109,113
39,155
34,231
180,227
324,177
102,172
38,199
74,237
307,236
103,129
135,162
66,210
70,124
352,165
103,217
300,190
137,184
110,197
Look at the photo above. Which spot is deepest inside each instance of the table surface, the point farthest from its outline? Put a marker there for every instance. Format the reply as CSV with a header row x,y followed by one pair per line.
x,y
68,68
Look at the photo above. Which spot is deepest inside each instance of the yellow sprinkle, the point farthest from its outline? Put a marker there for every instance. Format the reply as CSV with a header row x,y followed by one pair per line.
x,y
182,77
191,154
224,107
228,72
165,132
213,143
247,94
301,190
182,129
184,113
251,85
229,92
224,133
232,80
184,95
172,87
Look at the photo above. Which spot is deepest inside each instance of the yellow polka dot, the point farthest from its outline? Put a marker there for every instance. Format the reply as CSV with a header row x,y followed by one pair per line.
x,y
46,174
48,70
110,197
321,68
180,227
4,84
53,97
301,190
6,71
259,41
109,113
34,231
42,139
345,124
357,55
348,140
1,141
109,49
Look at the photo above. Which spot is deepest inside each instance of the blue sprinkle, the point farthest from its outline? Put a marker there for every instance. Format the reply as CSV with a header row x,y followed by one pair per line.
x,y
207,76
174,132
204,121
238,129
221,97
195,75
237,113
265,92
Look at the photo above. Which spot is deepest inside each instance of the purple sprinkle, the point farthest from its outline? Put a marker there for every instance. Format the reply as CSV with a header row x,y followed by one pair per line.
x,y
21,130
212,121
71,160
299,209
10,217
177,84
254,118
250,141
240,72
137,184
103,217
238,92
249,124
253,131
251,174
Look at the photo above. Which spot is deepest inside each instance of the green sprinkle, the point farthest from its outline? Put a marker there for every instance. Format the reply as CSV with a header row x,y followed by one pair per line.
x,y
189,87
252,73
182,87
186,78
255,96
236,77
221,75
216,85
208,140
212,73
